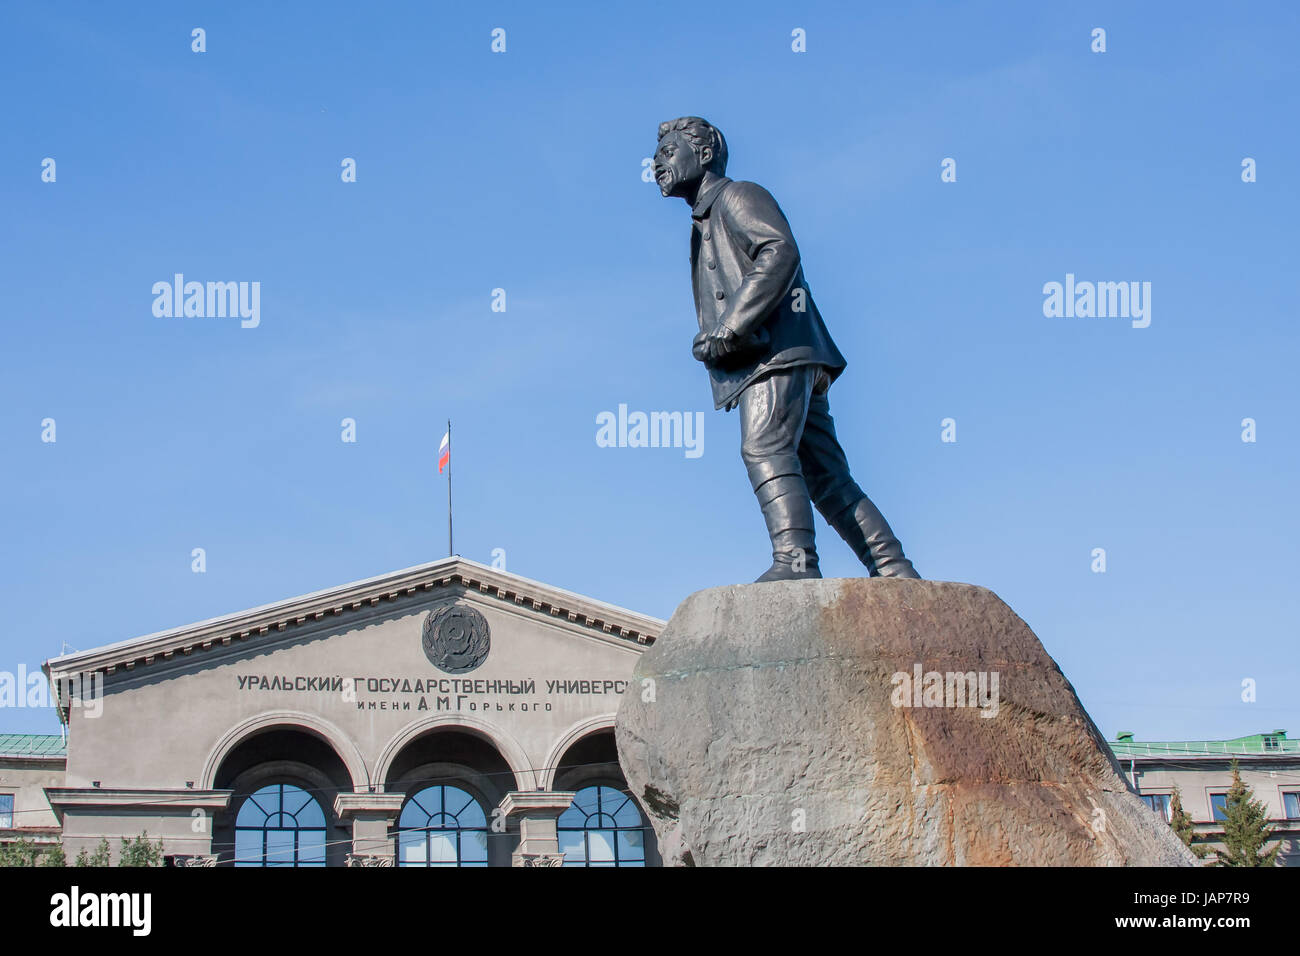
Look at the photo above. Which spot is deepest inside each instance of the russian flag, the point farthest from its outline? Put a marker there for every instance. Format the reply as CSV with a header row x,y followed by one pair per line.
x,y
444,452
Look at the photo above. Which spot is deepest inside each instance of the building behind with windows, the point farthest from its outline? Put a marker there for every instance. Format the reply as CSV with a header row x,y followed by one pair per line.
x,y
1269,765
449,714
29,763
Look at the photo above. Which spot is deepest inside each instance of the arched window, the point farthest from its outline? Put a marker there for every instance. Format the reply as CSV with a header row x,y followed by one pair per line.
x,y
280,825
442,826
602,827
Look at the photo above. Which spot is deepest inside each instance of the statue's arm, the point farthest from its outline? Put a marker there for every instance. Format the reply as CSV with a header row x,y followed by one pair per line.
x,y
754,218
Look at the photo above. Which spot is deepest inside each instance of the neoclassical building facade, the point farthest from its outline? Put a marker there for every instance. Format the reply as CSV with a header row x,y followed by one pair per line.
x,y
449,714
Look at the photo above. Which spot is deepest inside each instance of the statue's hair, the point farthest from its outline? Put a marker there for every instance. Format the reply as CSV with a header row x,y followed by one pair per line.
x,y
700,133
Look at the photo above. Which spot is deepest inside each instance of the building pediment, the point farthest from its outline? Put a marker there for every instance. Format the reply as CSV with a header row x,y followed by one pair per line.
x,y
271,621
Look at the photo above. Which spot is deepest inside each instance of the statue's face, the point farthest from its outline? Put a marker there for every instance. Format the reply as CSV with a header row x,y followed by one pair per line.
x,y
677,165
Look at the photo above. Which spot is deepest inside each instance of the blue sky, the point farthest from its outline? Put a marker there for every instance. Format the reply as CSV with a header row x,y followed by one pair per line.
x,y
522,171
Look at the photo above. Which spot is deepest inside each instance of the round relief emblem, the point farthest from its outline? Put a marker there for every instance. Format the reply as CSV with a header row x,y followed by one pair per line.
x,y
456,638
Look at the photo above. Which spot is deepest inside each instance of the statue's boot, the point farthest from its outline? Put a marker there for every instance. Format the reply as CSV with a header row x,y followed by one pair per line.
x,y
787,509
868,533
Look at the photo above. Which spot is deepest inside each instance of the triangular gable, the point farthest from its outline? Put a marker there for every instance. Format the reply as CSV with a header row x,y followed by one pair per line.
x,y
271,622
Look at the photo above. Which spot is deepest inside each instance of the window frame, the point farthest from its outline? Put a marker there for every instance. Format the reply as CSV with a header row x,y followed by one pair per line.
x,y
13,802
1215,816
1166,798
476,801
1295,796
297,863
616,830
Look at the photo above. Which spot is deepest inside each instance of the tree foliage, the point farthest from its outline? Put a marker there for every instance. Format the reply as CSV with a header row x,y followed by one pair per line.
x,y
135,852
26,852
140,852
1181,822
1245,828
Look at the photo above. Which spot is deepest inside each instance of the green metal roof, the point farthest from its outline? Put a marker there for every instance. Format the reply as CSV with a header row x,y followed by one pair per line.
x,y
33,745
1269,744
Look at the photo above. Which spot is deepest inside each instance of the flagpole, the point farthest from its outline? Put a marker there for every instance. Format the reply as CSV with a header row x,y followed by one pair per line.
x,y
450,549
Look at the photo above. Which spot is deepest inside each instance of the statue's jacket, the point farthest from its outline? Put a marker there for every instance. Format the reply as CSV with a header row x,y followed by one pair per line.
x,y
747,275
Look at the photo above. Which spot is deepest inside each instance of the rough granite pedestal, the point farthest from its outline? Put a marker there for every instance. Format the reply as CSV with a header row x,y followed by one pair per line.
x,y
872,721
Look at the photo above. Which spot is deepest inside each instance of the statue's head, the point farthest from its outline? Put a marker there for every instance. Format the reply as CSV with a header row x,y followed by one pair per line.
x,y
688,148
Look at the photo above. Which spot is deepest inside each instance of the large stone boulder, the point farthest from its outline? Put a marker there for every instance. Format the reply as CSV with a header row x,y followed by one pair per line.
x,y
872,721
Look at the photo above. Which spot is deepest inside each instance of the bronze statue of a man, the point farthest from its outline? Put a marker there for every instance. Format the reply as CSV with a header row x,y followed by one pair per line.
x,y
769,354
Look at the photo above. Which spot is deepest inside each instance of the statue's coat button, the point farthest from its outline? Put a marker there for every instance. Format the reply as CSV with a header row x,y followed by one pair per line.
x,y
720,294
